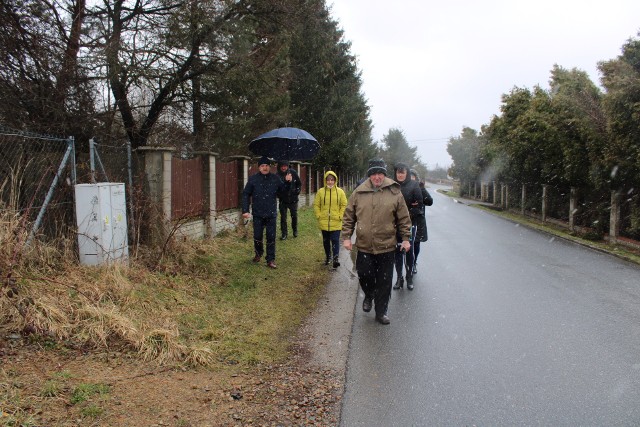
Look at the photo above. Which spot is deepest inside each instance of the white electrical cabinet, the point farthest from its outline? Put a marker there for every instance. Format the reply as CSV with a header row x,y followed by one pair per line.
x,y
101,215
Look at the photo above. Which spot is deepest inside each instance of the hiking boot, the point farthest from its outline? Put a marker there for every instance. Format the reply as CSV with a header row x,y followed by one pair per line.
x,y
256,258
383,318
295,234
336,263
366,304
271,264
410,283
284,237
399,283
414,270
327,261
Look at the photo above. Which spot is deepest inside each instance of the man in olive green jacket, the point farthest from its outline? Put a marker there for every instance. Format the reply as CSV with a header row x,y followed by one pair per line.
x,y
375,212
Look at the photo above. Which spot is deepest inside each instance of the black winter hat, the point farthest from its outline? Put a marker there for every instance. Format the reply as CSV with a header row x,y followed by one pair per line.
x,y
414,173
283,163
401,165
377,166
264,160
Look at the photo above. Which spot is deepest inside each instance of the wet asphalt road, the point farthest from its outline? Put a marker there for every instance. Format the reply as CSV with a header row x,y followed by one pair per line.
x,y
506,326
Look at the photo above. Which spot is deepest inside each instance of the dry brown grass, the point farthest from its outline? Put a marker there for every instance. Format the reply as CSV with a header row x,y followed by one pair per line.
x,y
205,303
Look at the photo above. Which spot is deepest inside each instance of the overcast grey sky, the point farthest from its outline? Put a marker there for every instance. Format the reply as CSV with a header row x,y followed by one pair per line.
x,y
432,67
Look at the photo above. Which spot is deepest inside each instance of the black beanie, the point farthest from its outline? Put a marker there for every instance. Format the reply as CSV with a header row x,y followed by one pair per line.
x,y
264,160
401,165
377,166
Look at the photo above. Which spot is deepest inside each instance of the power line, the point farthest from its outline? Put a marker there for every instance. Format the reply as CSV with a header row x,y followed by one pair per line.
x,y
432,140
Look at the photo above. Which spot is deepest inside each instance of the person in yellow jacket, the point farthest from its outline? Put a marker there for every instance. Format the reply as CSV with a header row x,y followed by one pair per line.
x,y
329,206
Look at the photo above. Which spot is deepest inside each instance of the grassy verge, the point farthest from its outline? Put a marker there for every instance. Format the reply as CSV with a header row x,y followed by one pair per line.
x,y
207,306
207,303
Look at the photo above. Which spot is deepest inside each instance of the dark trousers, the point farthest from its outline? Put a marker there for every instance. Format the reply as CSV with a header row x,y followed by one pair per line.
x,y
331,241
375,273
416,250
406,259
293,208
259,225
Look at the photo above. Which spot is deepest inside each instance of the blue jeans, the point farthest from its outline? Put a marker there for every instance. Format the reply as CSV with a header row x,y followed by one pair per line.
x,y
259,225
331,241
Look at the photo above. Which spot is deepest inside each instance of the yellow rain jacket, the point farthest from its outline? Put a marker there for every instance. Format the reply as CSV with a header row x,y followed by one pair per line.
x,y
329,205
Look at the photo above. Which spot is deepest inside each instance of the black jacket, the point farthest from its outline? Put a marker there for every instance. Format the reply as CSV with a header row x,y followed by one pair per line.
x,y
261,191
422,234
290,195
413,197
426,197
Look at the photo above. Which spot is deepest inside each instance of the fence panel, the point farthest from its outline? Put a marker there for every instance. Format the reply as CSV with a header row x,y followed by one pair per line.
x,y
106,163
558,203
303,178
630,215
228,184
37,173
187,196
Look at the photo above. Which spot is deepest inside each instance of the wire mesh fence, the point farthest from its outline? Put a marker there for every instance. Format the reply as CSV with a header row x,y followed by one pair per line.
x,y
37,174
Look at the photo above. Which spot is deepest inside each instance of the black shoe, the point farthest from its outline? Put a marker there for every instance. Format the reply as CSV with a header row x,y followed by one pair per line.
x,y
295,234
326,261
336,263
414,270
410,283
366,304
383,318
399,283
284,237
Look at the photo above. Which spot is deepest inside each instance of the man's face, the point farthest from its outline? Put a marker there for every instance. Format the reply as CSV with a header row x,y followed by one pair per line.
x,y
401,175
283,168
376,179
264,169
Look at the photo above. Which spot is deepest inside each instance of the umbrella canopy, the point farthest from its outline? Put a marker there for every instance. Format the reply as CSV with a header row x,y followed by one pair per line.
x,y
285,144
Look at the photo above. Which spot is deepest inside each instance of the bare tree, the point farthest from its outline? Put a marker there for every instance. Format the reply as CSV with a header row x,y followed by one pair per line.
x,y
41,82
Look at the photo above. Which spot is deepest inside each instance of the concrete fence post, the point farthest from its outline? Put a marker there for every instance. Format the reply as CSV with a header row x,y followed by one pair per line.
x,y
156,163
573,203
524,198
210,191
614,219
495,193
544,202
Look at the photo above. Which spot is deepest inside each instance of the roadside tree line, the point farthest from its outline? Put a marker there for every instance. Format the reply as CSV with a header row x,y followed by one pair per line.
x,y
199,75
569,138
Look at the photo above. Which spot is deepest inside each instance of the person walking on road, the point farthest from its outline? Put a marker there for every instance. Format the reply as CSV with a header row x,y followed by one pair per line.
x,y
329,206
421,221
376,211
289,199
260,193
413,198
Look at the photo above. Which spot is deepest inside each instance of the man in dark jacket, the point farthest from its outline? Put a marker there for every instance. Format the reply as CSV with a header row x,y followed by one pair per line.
x,y
413,198
260,192
421,231
289,199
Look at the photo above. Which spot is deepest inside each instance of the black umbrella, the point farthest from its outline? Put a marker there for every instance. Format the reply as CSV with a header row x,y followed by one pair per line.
x,y
286,144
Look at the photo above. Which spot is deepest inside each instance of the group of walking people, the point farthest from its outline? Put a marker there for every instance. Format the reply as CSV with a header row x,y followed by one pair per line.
x,y
387,216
